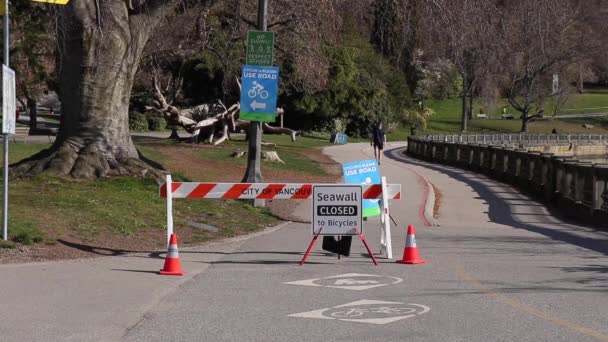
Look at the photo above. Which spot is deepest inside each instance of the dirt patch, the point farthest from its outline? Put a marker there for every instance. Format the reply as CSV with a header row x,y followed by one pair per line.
x,y
69,247
333,169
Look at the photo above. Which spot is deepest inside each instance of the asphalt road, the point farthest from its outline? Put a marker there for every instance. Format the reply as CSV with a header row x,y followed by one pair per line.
x,y
499,268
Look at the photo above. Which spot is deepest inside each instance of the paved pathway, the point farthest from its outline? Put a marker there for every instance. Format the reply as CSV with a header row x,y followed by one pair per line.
x,y
499,269
490,276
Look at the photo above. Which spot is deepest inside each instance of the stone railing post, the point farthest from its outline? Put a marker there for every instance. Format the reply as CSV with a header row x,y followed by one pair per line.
x,y
515,165
600,187
547,175
532,179
503,161
485,159
568,185
492,159
560,174
458,153
410,142
476,157
582,183
419,148
452,153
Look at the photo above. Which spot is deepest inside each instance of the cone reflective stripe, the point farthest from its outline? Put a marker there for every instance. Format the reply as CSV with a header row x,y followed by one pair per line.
x,y
172,252
410,241
172,263
410,252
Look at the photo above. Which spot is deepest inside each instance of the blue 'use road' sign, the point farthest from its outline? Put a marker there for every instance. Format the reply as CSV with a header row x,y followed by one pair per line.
x,y
259,88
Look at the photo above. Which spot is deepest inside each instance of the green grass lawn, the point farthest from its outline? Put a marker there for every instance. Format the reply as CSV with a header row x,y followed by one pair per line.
x,y
44,209
448,113
47,209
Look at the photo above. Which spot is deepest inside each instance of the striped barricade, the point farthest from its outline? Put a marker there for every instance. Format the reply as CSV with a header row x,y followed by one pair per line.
x,y
268,191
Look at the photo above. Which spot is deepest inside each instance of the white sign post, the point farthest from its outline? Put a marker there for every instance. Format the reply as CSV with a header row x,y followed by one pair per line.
x,y
337,209
385,231
9,106
7,98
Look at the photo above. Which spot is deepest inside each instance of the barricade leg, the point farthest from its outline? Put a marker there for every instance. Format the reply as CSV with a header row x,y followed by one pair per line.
x,y
382,240
369,250
387,220
312,244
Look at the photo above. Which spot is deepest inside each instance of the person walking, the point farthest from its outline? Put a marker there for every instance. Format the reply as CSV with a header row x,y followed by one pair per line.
x,y
378,139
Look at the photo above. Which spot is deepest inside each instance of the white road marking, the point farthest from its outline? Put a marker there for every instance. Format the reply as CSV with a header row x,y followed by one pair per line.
x,y
367,311
349,281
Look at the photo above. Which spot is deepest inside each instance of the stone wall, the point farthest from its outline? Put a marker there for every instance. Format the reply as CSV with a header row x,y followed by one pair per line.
x,y
578,189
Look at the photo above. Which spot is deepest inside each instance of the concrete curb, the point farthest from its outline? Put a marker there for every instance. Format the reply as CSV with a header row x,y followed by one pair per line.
x,y
427,209
429,205
430,197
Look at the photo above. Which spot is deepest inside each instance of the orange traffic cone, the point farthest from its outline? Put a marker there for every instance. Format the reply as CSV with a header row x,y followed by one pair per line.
x,y
410,252
172,263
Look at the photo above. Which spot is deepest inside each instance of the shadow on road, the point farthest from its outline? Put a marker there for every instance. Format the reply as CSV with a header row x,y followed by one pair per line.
x,y
501,211
104,251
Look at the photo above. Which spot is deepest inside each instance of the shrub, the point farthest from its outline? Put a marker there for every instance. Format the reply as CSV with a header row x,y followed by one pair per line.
x,y
138,121
156,123
26,233
416,117
7,244
24,238
140,98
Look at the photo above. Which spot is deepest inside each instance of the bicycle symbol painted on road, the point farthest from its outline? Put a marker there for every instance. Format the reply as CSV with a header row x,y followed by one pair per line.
x,y
350,281
358,312
257,90
368,311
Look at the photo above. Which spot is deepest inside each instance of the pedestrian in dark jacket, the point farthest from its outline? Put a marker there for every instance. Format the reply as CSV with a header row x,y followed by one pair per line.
x,y
378,139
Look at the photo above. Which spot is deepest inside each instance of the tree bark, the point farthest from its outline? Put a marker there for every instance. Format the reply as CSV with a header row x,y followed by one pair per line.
x,y
470,109
464,120
524,122
100,50
32,110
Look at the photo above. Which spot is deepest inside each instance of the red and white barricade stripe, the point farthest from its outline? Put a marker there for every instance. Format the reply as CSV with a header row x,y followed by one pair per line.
x,y
294,191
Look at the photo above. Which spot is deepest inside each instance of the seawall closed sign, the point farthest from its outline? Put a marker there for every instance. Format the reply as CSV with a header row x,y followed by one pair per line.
x,y
337,209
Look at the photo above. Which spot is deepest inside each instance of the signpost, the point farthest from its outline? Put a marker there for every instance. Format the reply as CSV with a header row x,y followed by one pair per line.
x,y
9,106
260,48
260,85
254,171
5,134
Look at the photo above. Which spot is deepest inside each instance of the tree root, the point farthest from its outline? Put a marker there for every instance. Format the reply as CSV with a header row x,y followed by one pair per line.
x,y
86,163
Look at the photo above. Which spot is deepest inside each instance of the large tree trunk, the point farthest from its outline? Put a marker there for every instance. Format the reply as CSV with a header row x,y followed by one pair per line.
x,y
524,122
100,50
470,109
32,111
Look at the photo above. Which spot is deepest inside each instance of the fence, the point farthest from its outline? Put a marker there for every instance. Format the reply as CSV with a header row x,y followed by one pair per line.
x,y
578,188
521,139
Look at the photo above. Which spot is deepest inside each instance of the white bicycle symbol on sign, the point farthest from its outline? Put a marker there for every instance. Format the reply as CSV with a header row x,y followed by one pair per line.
x,y
358,312
257,90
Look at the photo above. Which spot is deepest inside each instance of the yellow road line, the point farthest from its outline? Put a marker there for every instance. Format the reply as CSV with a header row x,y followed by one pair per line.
x,y
460,271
